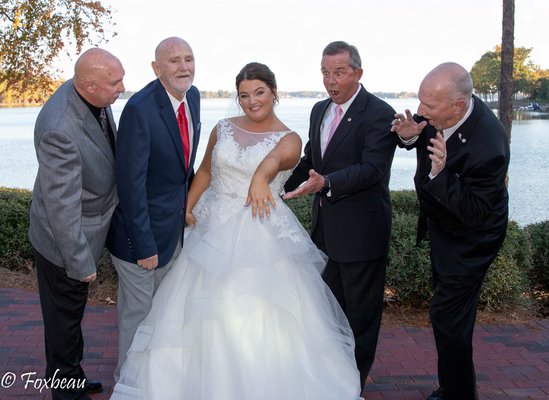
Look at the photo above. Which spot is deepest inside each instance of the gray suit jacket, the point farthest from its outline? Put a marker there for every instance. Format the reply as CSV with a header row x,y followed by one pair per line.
x,y
74,193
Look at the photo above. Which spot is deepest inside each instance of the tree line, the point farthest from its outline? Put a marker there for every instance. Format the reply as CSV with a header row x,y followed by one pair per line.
x,y
530,81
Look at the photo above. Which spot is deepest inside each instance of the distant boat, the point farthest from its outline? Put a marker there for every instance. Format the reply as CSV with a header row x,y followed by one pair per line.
x,y
535,107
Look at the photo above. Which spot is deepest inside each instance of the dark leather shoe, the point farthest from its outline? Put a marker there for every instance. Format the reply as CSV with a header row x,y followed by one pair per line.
x,y
436,395
92,386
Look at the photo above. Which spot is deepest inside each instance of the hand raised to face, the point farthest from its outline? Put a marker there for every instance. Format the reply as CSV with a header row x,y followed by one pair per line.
x,y
438,153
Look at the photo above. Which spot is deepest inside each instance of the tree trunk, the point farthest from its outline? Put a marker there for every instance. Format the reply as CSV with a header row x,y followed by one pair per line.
x,y
507,54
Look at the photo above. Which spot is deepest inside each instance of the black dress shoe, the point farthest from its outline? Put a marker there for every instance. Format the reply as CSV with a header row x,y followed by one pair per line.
x,y
436,395
92,386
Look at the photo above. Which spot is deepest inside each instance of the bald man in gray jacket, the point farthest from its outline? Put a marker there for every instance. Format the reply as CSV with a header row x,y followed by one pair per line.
x,y
73,199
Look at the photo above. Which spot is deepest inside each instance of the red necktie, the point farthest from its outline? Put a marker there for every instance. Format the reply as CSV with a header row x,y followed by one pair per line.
x,y
184,130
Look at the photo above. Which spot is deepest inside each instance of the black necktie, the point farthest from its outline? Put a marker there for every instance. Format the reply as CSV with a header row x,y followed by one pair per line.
x,y
104,122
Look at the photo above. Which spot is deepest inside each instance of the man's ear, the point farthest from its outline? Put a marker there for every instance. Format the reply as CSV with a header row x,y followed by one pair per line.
x,y
460,107
359,72
89,85
155,68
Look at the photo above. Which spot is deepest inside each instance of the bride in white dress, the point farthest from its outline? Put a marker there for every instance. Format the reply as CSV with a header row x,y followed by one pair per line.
x,y
244,313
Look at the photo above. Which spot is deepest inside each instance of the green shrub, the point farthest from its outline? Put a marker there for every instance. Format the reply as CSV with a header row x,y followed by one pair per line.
x,y
405,202
538,236
525,253
15,249
302,206
506,282
409,276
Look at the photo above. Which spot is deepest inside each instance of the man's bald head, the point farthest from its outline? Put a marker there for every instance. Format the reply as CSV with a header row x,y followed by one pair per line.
x,y
98,77
167,44
445,95
453,79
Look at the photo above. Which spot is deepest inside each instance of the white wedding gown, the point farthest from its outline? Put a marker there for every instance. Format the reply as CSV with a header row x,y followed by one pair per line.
x,y
244,313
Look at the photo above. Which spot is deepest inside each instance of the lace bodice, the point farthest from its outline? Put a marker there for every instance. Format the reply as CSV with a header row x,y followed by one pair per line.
x,y
235,158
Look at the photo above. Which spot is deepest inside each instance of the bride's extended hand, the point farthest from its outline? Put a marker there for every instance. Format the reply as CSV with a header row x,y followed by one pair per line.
x,y
261,198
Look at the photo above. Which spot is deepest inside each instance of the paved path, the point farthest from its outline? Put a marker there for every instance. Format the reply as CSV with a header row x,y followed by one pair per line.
x,y
512,361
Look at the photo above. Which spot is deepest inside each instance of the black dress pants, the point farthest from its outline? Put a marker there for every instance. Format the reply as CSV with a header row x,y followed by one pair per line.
x,y
453,313
63,301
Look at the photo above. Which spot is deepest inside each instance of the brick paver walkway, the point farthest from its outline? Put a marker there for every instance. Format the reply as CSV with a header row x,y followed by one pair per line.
x,y
512,361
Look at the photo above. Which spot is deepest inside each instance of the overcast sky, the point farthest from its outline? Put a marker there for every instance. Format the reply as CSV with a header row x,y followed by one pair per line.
x,y
399,40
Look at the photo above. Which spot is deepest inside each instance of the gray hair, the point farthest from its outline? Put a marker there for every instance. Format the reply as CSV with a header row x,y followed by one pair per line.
x,y
342,47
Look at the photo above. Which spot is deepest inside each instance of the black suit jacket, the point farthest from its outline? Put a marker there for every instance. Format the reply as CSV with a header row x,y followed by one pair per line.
x,y
151,177
465,207
356,218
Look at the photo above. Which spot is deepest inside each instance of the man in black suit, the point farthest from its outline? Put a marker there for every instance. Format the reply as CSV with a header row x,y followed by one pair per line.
x,y
462,156
348,168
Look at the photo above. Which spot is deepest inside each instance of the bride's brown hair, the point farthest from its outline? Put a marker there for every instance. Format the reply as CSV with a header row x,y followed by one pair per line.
x,y
261,72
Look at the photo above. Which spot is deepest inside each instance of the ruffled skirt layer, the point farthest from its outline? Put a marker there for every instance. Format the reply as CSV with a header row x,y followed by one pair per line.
x,y
243,314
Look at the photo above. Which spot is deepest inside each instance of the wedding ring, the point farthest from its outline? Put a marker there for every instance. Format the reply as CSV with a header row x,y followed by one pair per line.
x,y
442,156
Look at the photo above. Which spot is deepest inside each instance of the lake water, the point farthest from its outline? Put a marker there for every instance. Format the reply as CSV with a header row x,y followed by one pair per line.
x,y
528,180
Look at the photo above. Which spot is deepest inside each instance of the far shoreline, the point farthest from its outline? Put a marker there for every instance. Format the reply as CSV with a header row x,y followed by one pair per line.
x,y
303,94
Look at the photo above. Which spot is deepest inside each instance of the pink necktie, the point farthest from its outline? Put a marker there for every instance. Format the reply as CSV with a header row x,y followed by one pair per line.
x,y
335,123
333,127
184,130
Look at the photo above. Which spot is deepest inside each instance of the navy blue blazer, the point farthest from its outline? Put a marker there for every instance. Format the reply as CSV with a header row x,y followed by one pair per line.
x,y
151,177
357,216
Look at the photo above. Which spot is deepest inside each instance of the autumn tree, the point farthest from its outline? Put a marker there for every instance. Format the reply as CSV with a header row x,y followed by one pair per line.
x,y
486,72
540,86
33,33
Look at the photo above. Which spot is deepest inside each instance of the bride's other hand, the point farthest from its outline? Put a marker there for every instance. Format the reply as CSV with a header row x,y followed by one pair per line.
x,y
189,218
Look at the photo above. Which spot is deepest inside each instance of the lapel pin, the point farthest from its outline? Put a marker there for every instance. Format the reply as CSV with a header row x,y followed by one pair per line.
x,y
349,119
463,140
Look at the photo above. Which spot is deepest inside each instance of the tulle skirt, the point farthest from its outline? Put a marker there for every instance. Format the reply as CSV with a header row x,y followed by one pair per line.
x,y
243,315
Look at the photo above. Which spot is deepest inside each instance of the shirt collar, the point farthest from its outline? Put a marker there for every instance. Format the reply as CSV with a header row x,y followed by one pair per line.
x,y
175,102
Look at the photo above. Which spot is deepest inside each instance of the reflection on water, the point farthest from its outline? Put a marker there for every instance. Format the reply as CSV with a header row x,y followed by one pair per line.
x,y
528,179
525,115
